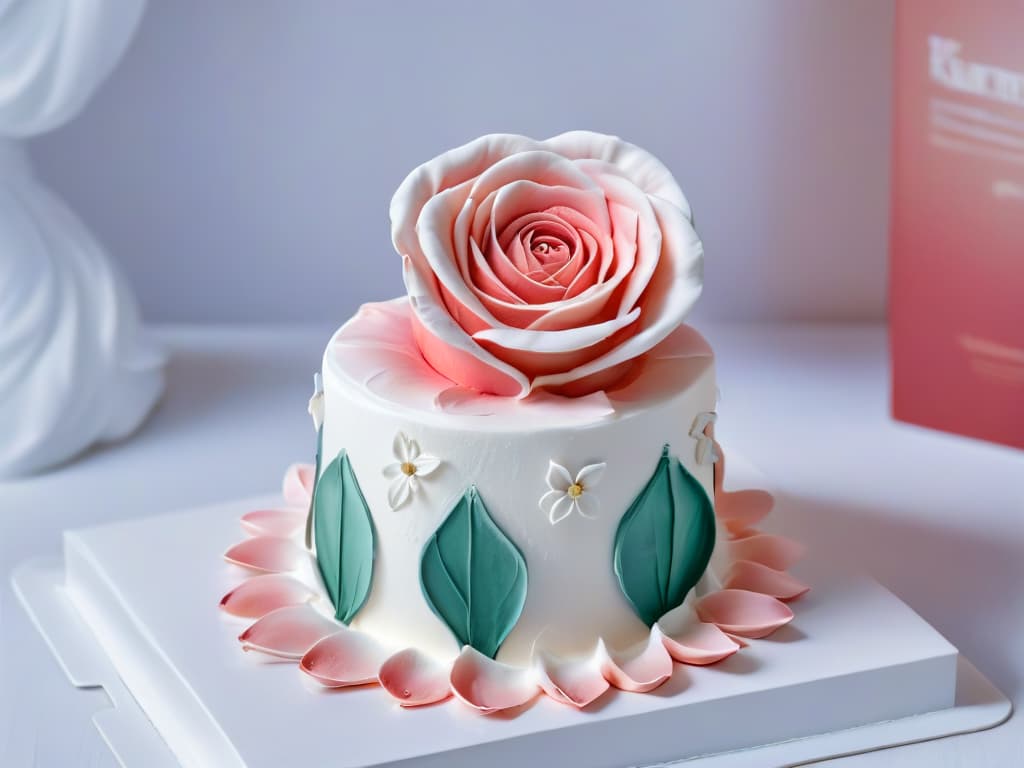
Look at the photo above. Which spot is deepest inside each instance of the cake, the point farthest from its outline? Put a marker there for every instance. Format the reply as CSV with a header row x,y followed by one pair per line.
x,y
517,486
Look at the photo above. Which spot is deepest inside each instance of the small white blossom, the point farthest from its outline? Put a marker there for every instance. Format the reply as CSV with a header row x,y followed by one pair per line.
x,y
570,493
410,465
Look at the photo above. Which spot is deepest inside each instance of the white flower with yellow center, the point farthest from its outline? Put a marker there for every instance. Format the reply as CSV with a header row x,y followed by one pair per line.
x,y
570,493
410,465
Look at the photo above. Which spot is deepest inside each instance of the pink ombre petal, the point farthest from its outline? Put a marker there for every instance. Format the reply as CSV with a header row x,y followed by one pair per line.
x,y
281,523
257,596
298,485
415,679
637,672
740,510
697,643
288,632
344,657
777,552
744,613
448,348
577,683
757,577
270,554
488,685
685,341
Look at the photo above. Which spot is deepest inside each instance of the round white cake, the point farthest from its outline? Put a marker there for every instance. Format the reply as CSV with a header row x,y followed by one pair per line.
x,y
517,486
381,400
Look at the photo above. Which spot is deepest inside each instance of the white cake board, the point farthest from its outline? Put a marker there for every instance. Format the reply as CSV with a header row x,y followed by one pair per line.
x,y
133,608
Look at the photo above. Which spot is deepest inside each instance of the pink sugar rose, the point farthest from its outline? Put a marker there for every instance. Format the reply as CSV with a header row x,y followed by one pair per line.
x,y
550,265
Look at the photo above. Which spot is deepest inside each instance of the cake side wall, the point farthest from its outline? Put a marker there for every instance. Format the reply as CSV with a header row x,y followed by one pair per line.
x,y
573,596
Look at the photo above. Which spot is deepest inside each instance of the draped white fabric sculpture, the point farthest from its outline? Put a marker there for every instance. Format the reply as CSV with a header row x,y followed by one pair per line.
x,y
75,365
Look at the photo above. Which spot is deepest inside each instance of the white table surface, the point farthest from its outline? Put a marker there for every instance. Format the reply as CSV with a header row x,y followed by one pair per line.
x,y
936,518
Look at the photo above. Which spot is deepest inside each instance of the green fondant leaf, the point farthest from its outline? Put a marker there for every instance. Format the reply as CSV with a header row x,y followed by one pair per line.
x,y
345,538
664,541
473,577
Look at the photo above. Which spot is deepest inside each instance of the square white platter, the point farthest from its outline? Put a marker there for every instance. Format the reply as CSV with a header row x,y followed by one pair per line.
x,y
133,607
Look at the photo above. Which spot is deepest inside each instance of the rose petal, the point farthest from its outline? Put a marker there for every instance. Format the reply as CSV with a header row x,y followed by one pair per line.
x,y
343,658
574,682
298,485
449,349
415,679
756,577
742,509
776,552
267,553
744,613
437,217
691,641
447,170
488,685
637,671
288,632
633,163
259,595
685,341
281,523
673,289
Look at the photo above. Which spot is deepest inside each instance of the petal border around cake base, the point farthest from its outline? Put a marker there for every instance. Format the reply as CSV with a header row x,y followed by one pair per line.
x,y
344,658
414,679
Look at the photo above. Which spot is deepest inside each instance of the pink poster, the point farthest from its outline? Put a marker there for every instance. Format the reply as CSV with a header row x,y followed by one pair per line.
x,y
957,229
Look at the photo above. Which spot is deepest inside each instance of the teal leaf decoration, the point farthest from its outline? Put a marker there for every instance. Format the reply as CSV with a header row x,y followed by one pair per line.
x,y
664,541
345,538
473,576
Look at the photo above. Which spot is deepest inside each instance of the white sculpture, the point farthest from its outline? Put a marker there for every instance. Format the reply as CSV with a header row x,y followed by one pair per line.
x,y
75,365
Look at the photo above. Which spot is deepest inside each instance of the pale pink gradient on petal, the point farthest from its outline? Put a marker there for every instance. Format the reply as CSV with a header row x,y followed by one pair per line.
x,y
448,348
288,632
776,552
298,485
756,577
577,682
274,522
345,657
637,671
488,685
270,554
744,613
415,679
740,510
697,643
259,595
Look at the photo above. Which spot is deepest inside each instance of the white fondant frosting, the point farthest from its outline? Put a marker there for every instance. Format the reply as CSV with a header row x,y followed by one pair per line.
x,y
377,386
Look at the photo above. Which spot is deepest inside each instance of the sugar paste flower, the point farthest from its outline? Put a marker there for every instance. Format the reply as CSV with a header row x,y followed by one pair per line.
x,y
570,493
550,264
410,465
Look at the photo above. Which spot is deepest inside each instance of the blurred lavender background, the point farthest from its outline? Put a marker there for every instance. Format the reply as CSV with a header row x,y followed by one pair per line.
x,y
240,162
